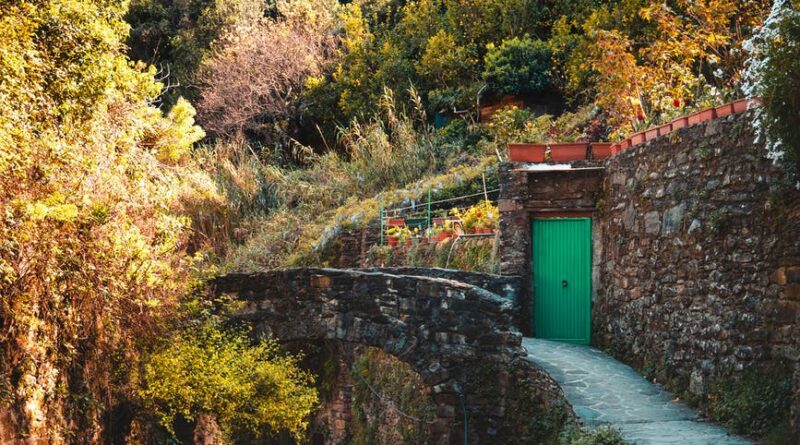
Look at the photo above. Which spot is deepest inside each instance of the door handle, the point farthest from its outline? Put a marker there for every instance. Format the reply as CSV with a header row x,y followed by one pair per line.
x,y
563,283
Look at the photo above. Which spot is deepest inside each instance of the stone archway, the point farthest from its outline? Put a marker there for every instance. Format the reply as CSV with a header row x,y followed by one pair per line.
x,y
461,339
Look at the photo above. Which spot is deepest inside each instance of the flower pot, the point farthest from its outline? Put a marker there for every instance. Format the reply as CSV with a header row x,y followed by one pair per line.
x,y
568,152
615,149
665,129
701,116
741,105
483,230
725,110
443,235
651,134
626,144
601,150
755,102
396,222
392,241
526,152
680,123
637,138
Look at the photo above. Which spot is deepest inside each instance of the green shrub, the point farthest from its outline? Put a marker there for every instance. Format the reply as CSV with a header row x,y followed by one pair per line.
x,y
518,66
572,435
384,387
754,404
781,87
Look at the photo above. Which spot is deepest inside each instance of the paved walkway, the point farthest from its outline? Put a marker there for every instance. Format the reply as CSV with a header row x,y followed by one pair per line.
x,y
603,391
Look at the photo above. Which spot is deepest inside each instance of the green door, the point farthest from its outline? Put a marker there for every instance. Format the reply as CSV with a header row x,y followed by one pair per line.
x,y
562,287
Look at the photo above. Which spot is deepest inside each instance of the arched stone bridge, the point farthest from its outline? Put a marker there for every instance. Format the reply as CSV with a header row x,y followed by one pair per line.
x,y
455,329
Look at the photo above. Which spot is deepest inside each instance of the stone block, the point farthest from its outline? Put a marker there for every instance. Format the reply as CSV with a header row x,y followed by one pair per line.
x,y
652,223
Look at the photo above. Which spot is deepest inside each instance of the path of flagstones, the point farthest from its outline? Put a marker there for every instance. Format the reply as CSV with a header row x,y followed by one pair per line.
x,y
604,391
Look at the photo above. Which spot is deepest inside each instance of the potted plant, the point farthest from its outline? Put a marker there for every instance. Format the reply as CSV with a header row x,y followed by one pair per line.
x,y
391,237
625,144
399,235
637,138
569,151
701,116
526,152
665,129
395,222
742,105
651,133
601,150
680,122
725,110
483,217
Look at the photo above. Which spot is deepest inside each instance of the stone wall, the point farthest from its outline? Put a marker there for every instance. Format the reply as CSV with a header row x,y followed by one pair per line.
x,y
459,338
701,256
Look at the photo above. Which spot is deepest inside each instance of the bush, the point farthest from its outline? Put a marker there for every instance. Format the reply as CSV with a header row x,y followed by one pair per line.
x,y
572,435
518,66
755,404
250,388
781,87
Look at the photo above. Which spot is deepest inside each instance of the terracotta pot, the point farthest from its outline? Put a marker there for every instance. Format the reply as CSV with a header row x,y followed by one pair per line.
x,y
526,152
725,110
680,123
665,129
739,106
568,152
396,222
701,116
651,133
443,235
637,138
392,241
614,149
601,150
755,102
626,144
484,230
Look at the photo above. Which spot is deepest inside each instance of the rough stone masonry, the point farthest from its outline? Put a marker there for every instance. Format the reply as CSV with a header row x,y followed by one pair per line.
x,y
696,251
461,339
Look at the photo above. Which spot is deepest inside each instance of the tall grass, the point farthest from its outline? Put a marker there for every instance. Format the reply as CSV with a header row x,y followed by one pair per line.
x,y
288,215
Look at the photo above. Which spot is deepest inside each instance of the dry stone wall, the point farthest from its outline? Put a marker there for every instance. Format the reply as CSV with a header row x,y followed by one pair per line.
x,y
701,266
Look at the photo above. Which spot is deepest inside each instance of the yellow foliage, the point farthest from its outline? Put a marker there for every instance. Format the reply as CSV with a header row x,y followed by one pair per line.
x,y
247,387
92,225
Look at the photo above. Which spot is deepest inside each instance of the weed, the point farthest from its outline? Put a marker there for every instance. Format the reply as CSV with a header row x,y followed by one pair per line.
x,y
757,404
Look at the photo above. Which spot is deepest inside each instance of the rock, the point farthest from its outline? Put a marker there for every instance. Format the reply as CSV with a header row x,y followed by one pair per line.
x,y
652,223
697,383
673,219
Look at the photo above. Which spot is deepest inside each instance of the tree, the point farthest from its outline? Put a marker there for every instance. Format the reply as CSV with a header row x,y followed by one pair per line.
x,y
252,85
518,66
92,228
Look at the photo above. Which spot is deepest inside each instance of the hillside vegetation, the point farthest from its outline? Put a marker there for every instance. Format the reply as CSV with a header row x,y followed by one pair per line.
x,y
147,145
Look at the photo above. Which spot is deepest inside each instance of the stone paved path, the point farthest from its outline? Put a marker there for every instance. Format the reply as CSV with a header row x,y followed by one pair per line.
x,y
603,391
